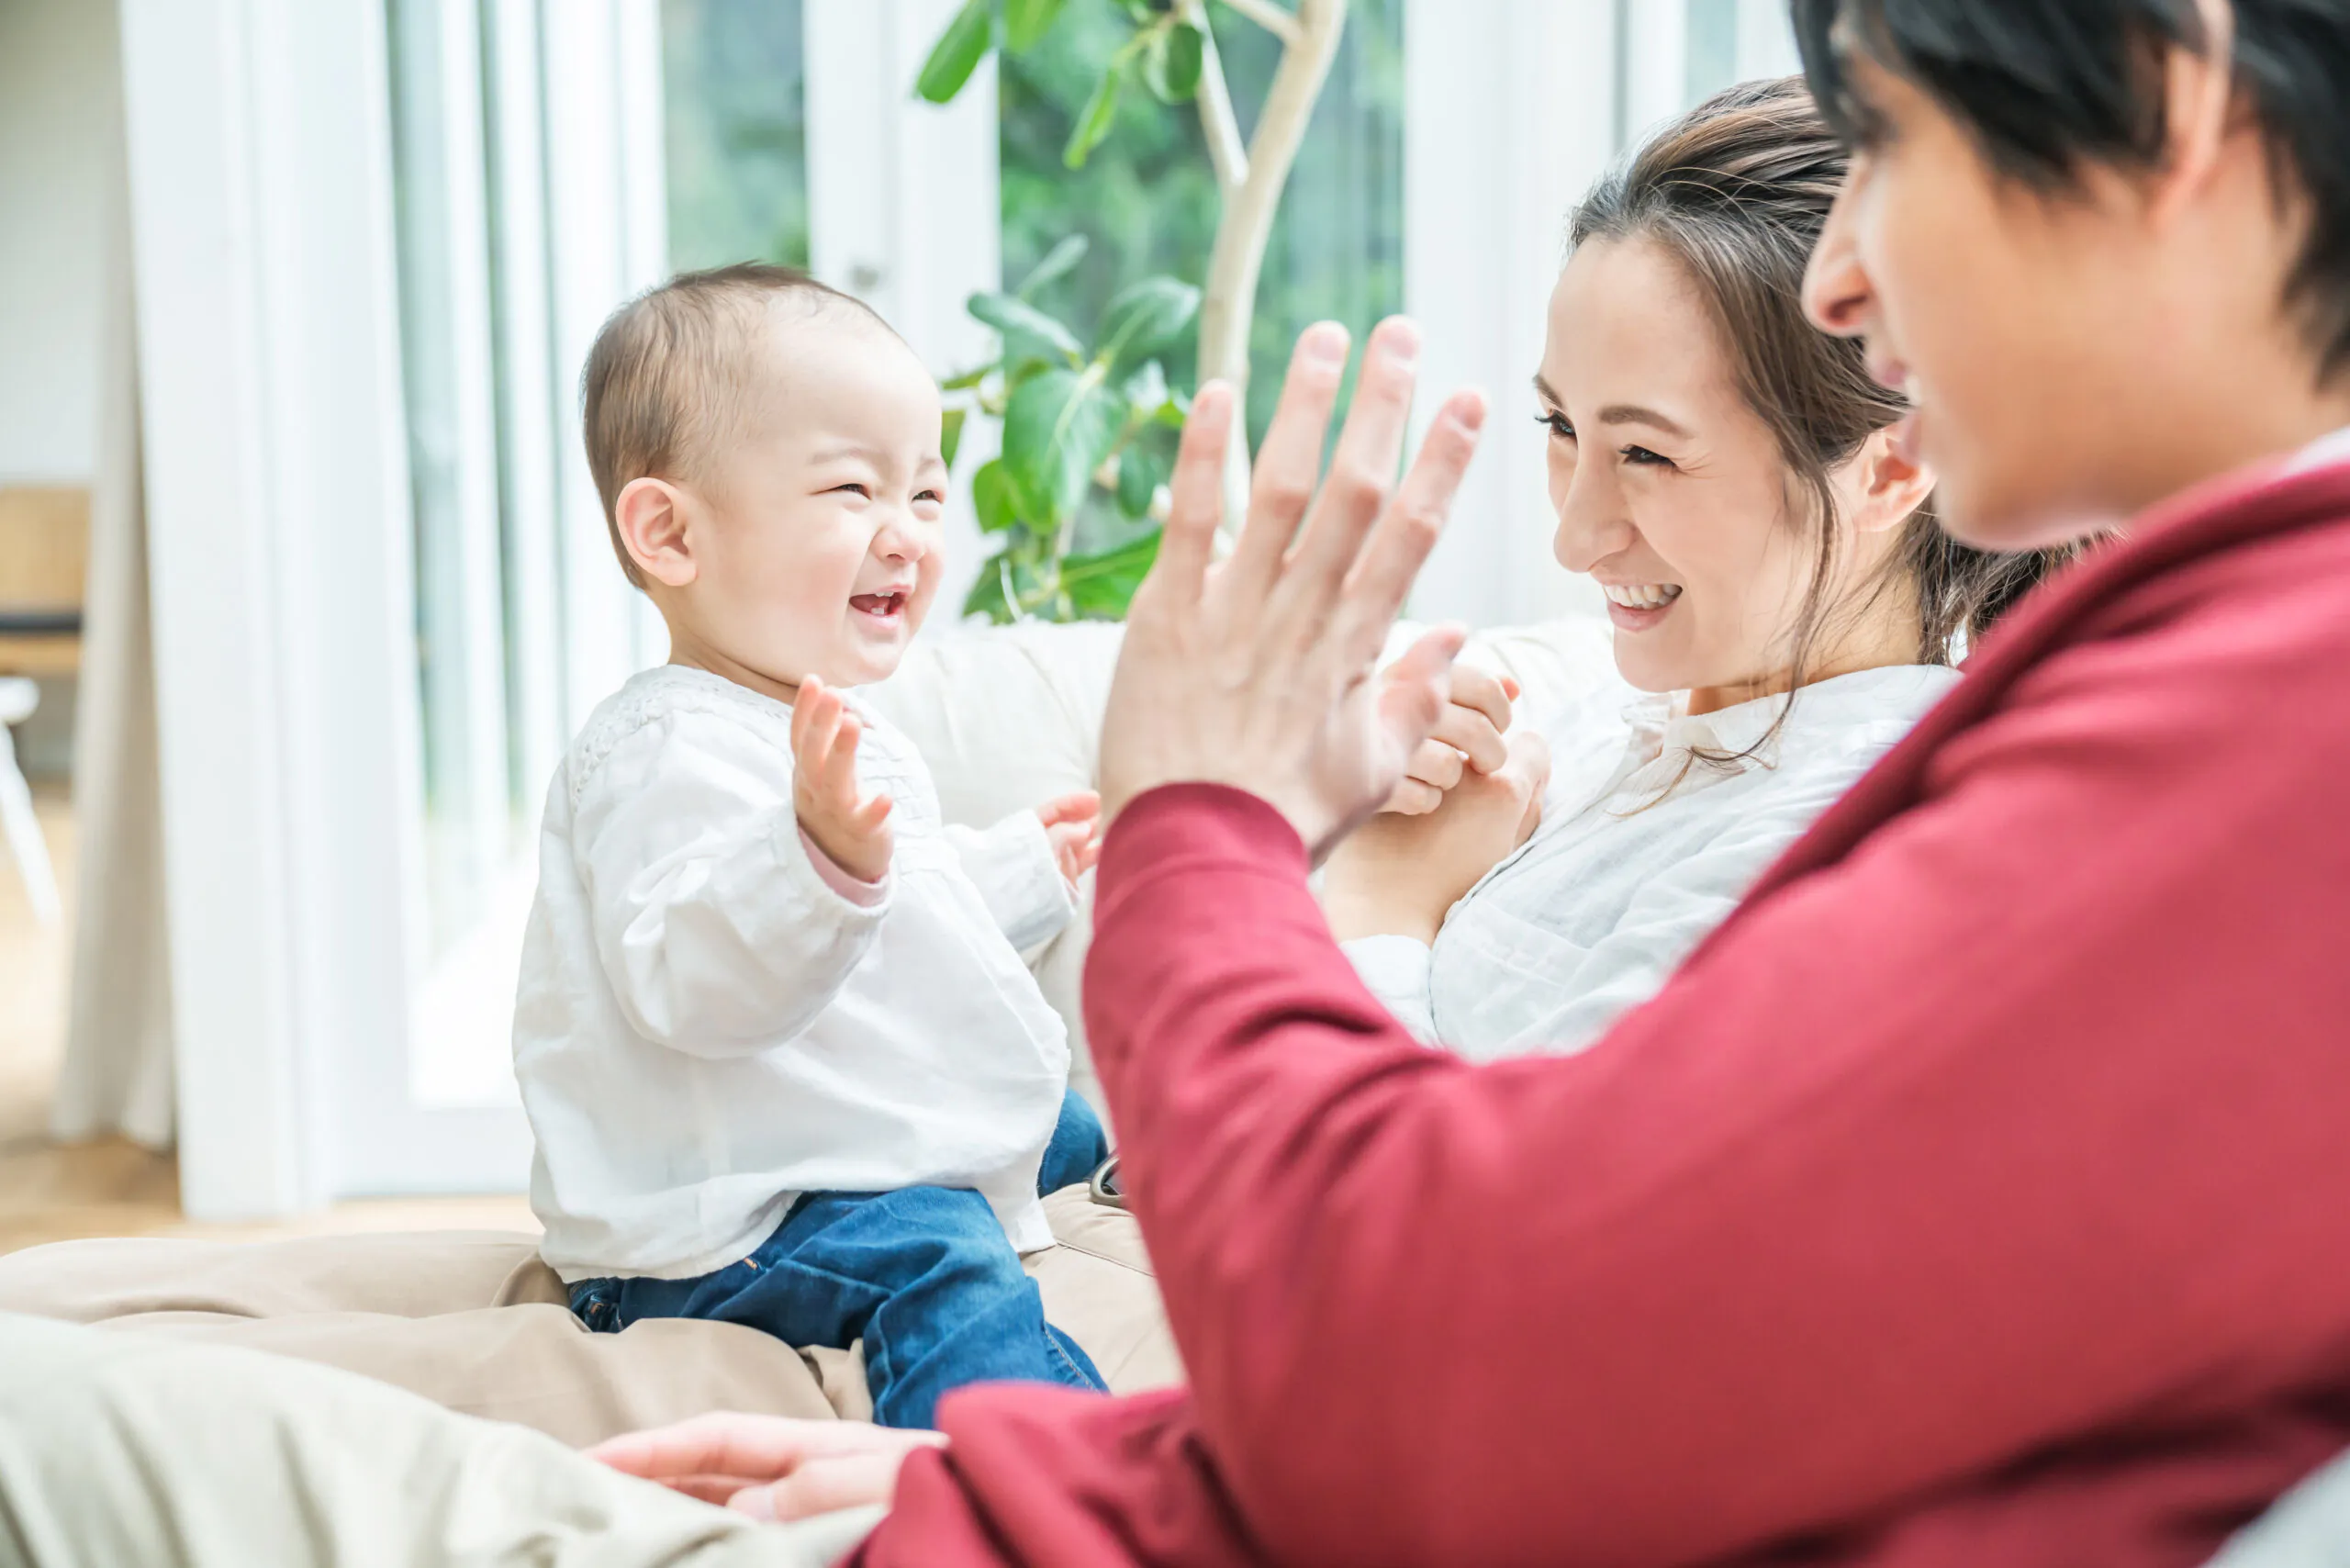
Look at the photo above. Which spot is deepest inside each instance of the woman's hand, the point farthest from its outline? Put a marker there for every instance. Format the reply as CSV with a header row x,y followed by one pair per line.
x,y
853,831
1397,874
770,1467
1468,738
1258,672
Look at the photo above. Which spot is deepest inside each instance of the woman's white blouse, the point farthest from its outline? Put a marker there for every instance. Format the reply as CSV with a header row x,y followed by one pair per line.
x,y
707,1025
1644,847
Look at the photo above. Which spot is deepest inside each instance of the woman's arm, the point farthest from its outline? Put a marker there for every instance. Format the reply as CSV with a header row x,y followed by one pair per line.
x,y
1389,885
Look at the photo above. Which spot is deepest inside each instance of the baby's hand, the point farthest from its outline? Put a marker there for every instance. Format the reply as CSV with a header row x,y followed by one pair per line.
x,y
1468,740
1069,822
854,832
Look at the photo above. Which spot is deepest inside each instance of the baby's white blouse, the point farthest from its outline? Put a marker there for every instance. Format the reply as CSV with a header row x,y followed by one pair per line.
x,y
1622,880
706,1029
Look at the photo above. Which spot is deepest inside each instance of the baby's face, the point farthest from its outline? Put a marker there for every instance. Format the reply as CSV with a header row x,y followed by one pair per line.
x,y
817,549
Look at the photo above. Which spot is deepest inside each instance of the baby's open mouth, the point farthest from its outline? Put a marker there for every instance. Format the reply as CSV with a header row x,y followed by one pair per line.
x,y
882,606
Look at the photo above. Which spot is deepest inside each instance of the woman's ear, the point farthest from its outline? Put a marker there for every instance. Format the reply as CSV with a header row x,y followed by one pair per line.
x,y
1893,487
651,517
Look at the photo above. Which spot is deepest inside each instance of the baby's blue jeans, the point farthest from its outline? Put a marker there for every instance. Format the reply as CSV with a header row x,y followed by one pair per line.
x,y
925,1276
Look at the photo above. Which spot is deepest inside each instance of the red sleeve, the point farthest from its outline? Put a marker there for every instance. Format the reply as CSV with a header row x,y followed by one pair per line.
x,y
2016,1131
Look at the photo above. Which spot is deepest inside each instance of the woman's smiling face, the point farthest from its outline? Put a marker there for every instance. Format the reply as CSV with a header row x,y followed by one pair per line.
x,y
1670,489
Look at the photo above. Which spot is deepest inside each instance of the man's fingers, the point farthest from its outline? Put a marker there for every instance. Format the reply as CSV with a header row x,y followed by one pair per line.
x,y
1414,522
1290,461
724,1444
823,1485
1187,543
1414,696
1364,466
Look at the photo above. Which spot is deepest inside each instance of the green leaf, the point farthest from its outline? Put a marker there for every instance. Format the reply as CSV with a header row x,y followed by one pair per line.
x,y
1028,332
1059,429
1146,389
957,52
968,379
1147,462
950,435
1138,482
1141,320
992,595
1173,61
1055,266
1027,21
992,498
1099,588
1099,113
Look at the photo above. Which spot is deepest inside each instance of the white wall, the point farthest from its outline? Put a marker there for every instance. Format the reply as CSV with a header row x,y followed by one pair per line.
x,y
1513,108
58,93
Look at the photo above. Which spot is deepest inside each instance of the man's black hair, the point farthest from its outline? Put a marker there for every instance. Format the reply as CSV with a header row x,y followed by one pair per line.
x,y
2049,87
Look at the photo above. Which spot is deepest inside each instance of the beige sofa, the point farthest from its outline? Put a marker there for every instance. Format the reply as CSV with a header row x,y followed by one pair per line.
x,y
1008,719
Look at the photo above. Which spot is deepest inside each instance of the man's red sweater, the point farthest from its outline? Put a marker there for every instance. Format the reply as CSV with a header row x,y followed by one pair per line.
x,y
1978,1195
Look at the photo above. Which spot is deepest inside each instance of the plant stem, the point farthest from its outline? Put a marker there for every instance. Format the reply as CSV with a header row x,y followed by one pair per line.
x,y
1226,151
1270,17
1227,310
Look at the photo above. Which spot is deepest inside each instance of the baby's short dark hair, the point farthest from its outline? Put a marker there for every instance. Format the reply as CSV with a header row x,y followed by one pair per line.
x,y
667,381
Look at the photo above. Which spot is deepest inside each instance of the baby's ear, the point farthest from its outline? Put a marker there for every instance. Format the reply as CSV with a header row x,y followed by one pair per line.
x,y
649,516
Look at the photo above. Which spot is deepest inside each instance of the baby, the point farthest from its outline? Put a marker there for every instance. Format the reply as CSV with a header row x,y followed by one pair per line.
x,y
784,1064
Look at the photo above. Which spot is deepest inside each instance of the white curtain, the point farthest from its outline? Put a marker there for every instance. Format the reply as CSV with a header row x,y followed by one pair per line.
x,y
116,1075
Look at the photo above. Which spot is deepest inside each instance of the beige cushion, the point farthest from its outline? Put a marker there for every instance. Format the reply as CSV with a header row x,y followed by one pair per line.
x,y
475,1321
1007,718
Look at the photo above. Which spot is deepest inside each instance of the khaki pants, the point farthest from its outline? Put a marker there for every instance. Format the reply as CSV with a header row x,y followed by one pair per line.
x,y
123,1450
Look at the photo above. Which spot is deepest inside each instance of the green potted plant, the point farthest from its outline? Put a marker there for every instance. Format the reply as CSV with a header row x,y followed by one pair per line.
x,y
1093,425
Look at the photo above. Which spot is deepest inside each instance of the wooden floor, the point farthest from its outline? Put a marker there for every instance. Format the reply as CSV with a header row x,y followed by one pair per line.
x,y
114,1187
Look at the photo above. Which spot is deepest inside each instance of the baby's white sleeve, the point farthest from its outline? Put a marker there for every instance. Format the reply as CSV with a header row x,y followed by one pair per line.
x,y
718,935
1396,970
1014,865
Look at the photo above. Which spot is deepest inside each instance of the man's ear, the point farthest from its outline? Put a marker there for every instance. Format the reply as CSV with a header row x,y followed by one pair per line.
x,y
651,515
1891,486
2199,89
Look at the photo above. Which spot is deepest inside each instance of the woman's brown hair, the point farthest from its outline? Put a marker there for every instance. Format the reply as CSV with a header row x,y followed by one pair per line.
x,y
1738,190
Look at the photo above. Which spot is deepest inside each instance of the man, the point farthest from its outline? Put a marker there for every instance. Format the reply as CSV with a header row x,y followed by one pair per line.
x,y
1974,1196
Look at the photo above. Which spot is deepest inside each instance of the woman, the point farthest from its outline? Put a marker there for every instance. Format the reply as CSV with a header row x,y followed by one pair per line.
x,y
1779,587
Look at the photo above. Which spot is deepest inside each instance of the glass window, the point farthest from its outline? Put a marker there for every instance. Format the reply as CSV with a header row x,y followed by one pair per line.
x,y
734,94
445,359
1713,48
